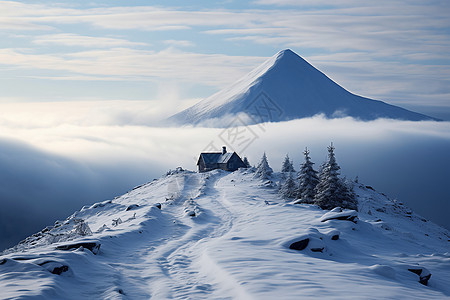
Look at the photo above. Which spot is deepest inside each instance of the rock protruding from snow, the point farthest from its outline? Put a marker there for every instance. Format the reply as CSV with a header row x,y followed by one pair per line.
x,y
191,208
131,207
340,214
55,267
424,274
313,241
299,245
94,247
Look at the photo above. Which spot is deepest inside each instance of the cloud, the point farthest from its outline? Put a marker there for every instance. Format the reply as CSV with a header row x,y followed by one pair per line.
x,y
70,161
38,187
70,39
179,43
134,64
22,115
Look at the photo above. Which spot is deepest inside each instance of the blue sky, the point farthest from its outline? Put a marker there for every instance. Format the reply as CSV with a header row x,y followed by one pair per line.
x,y
82,83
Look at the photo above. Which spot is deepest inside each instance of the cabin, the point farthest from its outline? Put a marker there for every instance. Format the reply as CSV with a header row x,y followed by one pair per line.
x,y
219,160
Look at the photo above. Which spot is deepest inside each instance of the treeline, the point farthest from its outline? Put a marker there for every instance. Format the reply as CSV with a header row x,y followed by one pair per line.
x,y
324,187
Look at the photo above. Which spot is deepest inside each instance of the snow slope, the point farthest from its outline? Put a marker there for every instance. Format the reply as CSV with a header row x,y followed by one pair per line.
x,y
221,235
286,87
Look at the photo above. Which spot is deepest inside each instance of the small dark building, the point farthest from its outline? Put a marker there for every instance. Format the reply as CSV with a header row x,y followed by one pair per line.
x,y
219,160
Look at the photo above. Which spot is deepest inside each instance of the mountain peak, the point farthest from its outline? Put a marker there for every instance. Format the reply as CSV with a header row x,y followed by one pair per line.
x,y
286,52
296,89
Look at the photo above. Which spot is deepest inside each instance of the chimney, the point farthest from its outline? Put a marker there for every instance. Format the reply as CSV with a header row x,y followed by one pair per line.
x,y
224,149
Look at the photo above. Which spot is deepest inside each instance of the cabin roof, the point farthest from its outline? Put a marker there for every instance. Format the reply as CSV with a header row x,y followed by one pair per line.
x,y
216,157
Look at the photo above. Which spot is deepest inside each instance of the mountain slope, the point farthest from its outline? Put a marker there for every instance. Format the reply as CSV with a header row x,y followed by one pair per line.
x,y
286,87
226,235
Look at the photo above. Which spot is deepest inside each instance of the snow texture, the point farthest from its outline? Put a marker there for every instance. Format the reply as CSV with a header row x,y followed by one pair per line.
x,y
236,247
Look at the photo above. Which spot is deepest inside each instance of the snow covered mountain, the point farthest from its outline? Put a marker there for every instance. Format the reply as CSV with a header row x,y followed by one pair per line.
x,y
286,87
220,235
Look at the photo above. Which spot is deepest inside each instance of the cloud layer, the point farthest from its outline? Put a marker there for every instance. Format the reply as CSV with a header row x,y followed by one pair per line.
x,y
48,171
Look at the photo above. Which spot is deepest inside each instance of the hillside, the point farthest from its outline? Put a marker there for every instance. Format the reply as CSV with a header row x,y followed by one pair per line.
x,y
286,87
221,235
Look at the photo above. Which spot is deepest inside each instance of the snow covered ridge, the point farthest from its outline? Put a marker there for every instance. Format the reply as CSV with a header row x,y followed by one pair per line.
x,y
286,87
221,235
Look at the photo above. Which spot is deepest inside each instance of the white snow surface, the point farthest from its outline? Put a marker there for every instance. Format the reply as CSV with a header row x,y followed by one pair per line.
x,y
285,87
221,235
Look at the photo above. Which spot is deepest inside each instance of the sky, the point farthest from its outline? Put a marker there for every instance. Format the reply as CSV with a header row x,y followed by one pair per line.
x,y
83,85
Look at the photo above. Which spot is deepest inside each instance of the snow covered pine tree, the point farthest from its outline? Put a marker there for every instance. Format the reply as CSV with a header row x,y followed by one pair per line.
x,y
288,188
331,191
246,162
287,165
307,180
263,171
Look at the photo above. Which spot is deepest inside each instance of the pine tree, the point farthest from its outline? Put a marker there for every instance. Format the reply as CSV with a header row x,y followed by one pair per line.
x,y
246,163
287,165
288,188
263,171
331,191
307,179
349,198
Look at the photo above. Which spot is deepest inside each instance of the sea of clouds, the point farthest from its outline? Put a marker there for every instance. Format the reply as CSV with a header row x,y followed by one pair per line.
x,y
55,159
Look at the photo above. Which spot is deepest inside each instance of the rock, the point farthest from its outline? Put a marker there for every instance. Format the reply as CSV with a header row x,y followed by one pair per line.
x,y
346,215
92,246
101,204
103,228
157,205
3,261
191,208
120,291
317,249
424,274
370,188
54,267
300,245
132,206
59,270
334,235
116,222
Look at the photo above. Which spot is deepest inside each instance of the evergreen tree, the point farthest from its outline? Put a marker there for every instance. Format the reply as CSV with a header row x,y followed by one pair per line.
x,y
349,198
288,188
287,165
263,171
246,163
331,191
307,179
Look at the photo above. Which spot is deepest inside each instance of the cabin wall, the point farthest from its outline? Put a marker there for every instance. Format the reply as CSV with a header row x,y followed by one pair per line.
x,y
235,163
201,166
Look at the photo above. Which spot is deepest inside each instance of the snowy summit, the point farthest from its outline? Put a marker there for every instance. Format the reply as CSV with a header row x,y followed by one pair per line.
x,y
222,235
286,87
